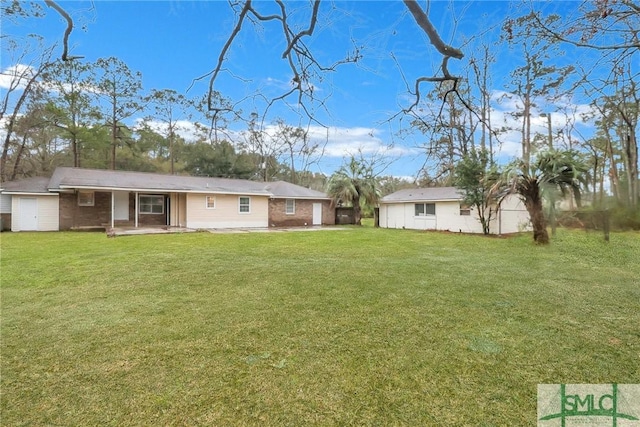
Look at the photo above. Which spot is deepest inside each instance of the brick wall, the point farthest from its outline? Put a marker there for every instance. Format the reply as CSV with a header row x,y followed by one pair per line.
x,y
6,222
74,216
303,213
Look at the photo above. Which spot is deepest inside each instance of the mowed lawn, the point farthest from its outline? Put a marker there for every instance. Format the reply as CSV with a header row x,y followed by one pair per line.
x,y
329,328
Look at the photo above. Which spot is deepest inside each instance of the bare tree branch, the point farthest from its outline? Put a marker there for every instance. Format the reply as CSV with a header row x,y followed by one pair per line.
x,y
67,31
225,48
561,38
308,31
423,21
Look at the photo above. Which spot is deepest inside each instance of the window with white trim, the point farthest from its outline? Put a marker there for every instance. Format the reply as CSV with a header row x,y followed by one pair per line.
x,y
244,204
151,204
210,202
86,198
425,209
290,207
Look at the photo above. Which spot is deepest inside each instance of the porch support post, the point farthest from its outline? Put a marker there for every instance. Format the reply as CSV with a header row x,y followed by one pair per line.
x,y
113,209
137,209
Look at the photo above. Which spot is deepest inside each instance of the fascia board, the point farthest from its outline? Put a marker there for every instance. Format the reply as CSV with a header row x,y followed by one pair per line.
x,y
388,202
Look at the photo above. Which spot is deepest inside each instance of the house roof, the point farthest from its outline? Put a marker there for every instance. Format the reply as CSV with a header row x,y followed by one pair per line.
x,y
286,190
66,178
71,178
35,185
430,194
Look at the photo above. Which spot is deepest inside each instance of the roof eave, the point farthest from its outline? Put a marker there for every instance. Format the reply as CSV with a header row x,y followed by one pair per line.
x,y
160,190
420,200
28,193
300,197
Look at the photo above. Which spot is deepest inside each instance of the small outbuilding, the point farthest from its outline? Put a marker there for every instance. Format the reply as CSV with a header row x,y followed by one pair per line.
x,y
28,205
443,208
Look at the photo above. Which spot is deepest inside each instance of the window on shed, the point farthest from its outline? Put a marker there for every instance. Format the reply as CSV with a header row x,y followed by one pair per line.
x,y
465,209
244,204
210,202
86,198
290,207
151,204
425,209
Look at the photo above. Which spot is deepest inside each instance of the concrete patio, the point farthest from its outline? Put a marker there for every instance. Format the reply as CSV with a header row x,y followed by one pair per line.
x,y
130,231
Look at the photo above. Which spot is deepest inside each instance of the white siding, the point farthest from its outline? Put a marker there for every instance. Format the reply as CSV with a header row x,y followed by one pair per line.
x,y
449,218
178,209
513,217
226,213
48,213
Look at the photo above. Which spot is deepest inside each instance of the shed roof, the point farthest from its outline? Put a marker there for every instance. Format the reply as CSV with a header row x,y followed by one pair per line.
x,y
430,194
34,185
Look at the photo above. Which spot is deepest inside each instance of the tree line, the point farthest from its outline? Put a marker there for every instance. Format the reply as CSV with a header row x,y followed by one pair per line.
x,y
67,111
75,113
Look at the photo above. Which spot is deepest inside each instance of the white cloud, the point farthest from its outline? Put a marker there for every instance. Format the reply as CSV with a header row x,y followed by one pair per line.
x,y
344,142
16,76
567,116
334,142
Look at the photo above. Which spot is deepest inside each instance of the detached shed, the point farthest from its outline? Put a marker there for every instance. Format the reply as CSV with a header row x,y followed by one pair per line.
x,y
33,206
443,208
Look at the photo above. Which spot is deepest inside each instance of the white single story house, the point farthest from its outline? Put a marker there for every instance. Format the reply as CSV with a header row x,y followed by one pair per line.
x,y
77,198
443,208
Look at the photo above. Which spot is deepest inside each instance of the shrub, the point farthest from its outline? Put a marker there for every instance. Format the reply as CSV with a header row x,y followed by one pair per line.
x,y
625,218
620,218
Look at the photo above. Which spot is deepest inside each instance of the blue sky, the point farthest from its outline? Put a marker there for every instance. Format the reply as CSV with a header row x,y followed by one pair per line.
x,y
173,42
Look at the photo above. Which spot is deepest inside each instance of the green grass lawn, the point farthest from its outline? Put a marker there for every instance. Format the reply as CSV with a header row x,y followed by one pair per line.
x,y
354,327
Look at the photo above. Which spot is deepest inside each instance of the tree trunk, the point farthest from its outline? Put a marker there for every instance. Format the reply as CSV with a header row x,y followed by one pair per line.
x,y
613,171
75,151
631,160
114,143
19,154
357,212
533,203
540,234
12,121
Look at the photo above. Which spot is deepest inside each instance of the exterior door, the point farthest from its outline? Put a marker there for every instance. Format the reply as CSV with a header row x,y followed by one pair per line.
x,y
317,214
28,214
121,211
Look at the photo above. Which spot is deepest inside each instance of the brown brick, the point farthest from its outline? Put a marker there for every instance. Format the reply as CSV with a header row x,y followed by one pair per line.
x,y
303,213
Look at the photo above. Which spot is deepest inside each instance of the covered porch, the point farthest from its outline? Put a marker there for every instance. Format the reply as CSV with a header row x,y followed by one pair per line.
x,y
96,208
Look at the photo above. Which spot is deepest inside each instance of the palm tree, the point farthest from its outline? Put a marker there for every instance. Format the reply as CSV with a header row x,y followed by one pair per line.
x,y
552,171
351,184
